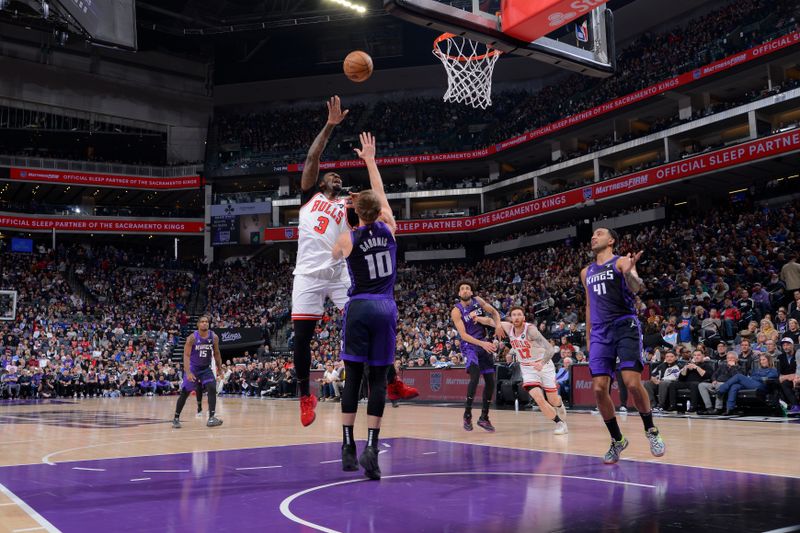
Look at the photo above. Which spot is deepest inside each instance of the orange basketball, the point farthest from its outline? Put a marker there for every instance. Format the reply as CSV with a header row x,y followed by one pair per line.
x,y
358,66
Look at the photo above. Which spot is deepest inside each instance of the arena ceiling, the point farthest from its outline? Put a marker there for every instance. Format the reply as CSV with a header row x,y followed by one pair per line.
x,y
253,40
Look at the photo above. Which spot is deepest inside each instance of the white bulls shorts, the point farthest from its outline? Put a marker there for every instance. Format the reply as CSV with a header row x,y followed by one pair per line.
x,y
544,378
309,293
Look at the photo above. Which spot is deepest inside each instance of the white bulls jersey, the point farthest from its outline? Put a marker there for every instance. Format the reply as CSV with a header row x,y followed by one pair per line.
x,y
321,223
527,353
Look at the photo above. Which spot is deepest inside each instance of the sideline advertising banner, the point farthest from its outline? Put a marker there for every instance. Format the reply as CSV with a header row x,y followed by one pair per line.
x,y
89,179
99,224
765,148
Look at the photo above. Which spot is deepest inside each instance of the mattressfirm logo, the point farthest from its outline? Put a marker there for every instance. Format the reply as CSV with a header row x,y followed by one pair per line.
x,y
23,174
558,19
436,381
230,336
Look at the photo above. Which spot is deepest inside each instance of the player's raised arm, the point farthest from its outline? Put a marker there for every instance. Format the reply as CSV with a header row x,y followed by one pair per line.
x,y
311,168
627,265
499,332
588,321
367,153
455,316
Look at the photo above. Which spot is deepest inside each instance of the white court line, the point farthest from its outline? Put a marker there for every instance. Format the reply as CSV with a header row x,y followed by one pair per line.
x,y
5,504
141,479
655,461
787,529
429,453
382,452
285,511
27,529
46,458
259,467
329,462
89,469
167,471
42,521
387,445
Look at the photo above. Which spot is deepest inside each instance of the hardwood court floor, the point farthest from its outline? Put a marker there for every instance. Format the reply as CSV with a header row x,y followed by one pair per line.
x,y
52,433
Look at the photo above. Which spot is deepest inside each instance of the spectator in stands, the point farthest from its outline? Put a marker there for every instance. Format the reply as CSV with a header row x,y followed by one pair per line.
x,y
660,380
684,327
768,329
793,308
776,289
747,357
328,391
562,378
790,276
731,316
25,382
10,382
163,386
690,377
781,321
793,330
787,370
761,298
287,383
722,373
771,349
757,379
128,388
696,324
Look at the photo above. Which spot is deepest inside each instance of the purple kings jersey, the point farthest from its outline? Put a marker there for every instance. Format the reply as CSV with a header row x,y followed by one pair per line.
x,y
373,262
202,351
470,325
610,299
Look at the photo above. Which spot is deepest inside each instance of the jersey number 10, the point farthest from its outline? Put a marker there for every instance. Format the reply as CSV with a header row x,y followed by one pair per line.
x,y
380,265
599,288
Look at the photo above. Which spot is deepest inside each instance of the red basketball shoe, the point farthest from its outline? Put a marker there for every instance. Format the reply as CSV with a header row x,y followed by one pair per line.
x,y
307,405
400,391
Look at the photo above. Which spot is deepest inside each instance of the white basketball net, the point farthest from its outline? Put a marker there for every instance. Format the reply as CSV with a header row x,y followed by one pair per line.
x,y
469,66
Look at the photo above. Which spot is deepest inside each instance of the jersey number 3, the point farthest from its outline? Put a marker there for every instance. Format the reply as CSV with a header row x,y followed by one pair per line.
x,y
323,225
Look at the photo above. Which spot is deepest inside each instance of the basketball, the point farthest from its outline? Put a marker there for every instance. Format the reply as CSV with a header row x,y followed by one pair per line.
x,y
358,66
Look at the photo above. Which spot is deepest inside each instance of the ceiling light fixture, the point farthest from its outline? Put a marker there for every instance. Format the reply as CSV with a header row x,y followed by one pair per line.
x,y
355,7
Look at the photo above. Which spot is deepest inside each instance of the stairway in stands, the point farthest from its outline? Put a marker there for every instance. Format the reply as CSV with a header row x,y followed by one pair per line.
x,y
177,350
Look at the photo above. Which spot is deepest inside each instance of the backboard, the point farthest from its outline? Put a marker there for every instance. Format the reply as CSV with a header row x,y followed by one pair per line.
x,y
581,40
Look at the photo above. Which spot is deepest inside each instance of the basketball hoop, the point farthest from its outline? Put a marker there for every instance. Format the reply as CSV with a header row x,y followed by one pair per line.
x,y
469,66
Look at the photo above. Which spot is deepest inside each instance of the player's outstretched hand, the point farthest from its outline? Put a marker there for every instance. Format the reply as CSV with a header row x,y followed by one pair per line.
x,y
488,346
367,146
628,262
191,377
335,113
499,332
